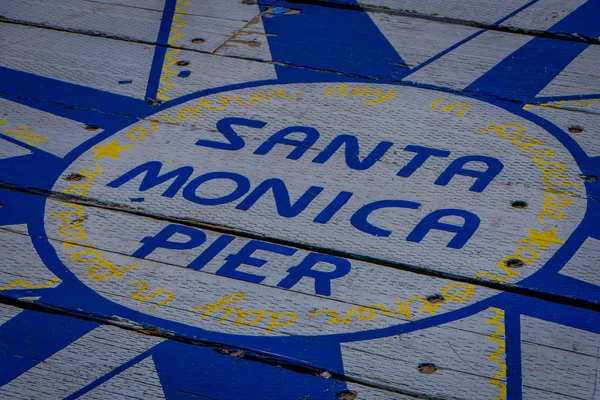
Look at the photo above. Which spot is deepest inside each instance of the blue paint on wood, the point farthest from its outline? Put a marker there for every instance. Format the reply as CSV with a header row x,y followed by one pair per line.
x,y
31,337
524,73
330,40
326,40
187,372
161,50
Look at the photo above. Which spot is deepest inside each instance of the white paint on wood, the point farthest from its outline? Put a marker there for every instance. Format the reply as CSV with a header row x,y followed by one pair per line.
x,y
9,150
541,15
557,371
223,20
559,362
20,266
557,336
250,42
502,227
369,393
469,10
583,126
207,72
92,16
538,16
469,61
365,284
48,132
464,369
81,363
417,40
581,76
84,60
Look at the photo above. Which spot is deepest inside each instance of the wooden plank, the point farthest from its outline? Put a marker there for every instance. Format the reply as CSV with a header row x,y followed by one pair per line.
x,y
110,362
460,368
482,252
291,200
94,66
521,15
412,52
212,21
187,287
532,16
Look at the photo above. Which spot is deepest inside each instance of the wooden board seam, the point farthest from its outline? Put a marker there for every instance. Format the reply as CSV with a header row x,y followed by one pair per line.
x,y
365,7
351,256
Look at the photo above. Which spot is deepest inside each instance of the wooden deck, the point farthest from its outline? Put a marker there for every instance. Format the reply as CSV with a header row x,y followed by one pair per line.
x,y
226,199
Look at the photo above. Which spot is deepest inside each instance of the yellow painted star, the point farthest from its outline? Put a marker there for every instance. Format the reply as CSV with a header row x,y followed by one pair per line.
x,y
110,150
543,239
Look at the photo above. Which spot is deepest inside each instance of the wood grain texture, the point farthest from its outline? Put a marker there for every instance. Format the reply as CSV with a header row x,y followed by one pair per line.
x,y
263,215
299,200
462,357
529,16
110,362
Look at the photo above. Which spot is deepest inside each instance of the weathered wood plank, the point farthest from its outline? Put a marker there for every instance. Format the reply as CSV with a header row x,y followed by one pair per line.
x,y
110,362
467,331
459,350
522,15
185,286
408,54
495,226
538,16
299,200
115,66
214,22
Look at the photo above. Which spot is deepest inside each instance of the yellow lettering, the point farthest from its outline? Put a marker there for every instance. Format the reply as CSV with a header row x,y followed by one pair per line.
x,y
341,90
110,269
137,295
458,292
276,320
503,131
461,105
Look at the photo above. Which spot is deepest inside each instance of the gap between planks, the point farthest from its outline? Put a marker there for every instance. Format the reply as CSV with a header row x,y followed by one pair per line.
x,y
510,288
104,35
364,7
220,347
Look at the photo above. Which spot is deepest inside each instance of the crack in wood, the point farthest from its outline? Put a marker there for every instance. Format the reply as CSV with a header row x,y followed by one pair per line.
x,y
479,95
220,347
365,7
506,287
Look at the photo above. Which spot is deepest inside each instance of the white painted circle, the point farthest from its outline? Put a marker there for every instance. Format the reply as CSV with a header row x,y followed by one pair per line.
x,y
408,116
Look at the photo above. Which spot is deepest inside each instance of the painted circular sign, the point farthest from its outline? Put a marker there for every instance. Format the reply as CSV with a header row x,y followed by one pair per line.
x,y
405,176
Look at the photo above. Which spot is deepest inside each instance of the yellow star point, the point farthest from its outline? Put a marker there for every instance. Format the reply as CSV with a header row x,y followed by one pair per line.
x,y
542,239
110,150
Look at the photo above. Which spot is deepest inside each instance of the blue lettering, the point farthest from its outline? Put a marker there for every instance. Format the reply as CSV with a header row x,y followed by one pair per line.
x,y
211,251
244,257
432,221
242,187
423,154
311,136
494,166
152,177
322,278
235,142
161,240
360,218
351,152
332,208
282,198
